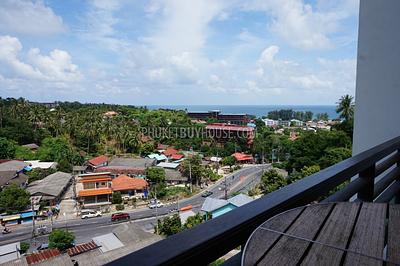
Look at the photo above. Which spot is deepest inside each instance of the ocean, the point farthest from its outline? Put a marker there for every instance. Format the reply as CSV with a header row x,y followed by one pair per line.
x,y
256,110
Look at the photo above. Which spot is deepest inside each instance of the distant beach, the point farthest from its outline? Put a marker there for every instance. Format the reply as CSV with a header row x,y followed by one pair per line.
x,y
256,110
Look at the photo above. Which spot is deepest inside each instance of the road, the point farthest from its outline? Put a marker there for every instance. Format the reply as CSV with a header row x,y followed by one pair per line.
x,y
239,181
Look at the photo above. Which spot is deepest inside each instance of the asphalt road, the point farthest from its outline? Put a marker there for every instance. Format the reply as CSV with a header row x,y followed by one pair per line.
x,y
239,181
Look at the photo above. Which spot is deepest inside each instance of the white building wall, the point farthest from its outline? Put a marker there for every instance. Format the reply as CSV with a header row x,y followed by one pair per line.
x,y
377,116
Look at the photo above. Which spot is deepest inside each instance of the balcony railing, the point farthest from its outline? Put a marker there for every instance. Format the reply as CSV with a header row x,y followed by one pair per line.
x,y
373,175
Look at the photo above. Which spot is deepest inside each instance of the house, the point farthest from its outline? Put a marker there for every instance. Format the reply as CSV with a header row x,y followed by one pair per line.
x,y
168,165
110,114
130,186
133,162
122,170
94,189
31,146
157,157
271,122
170,151
242,157
127,166
9,252
217,207
11,177
97,162
42,165
174,177
296,123
293,136
78,170
51,188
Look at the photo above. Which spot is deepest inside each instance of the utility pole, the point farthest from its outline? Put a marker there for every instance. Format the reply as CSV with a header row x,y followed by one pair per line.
x,y
155,197
190,177
226,191
33,219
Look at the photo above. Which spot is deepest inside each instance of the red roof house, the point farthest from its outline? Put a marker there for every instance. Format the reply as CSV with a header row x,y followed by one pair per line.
x,y
101,160
169,152
126,183
242,157
176,156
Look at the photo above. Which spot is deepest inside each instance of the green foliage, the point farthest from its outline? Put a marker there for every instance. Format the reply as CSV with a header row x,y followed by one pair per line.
x,y
173,192
289,114
155,174
271,180
7,149
161,190
24,247
39,174
116,197
192,166
333,156
120,207
194,220
147,148
23,153
311,147
61,239
322,116
13,199
59,149
254,191
228,160
305,171
169,225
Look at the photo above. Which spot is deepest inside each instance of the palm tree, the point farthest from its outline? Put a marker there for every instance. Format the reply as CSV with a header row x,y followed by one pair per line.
x,y
345,107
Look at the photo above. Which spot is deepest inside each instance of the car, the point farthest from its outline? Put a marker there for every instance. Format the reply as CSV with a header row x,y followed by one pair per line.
x,y
120,216
43,246
207,193
155,204
85,214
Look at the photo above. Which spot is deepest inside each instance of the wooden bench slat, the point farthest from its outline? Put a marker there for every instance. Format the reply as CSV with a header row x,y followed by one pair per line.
x,y
336,232
368,236
261,240
393,249
288,250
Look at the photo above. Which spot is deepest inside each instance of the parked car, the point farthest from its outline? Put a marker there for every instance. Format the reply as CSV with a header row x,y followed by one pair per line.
x,y
85,214
43,246
155,204
120,216
207,193
43,230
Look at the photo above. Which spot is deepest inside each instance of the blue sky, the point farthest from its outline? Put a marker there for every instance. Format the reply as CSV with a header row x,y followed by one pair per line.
x,y
178,51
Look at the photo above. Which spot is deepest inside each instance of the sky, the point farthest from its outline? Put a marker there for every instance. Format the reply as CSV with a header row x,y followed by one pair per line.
x,y
179,52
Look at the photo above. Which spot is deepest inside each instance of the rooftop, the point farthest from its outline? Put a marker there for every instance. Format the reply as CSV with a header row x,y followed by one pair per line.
x,y
132,162
124,182
98,160
13,165
52,185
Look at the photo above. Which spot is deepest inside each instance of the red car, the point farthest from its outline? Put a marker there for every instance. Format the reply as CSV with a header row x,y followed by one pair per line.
x,y
120,216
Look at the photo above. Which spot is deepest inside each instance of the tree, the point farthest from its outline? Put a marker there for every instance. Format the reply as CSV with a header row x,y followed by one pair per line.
x,y
116,197
155,174
192,167
61,239
7,149
345,107
333,156
271,180
193,221
13,199
322,116
23,153
305,171
169,225
228,160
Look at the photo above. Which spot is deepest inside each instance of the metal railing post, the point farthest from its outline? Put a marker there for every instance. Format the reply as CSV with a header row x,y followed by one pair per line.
x,y
367,192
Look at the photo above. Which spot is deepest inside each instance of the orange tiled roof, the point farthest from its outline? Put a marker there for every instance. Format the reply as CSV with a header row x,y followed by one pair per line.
x,y
95,192
242,156
42,256
176,156
170,151
124,182
98,160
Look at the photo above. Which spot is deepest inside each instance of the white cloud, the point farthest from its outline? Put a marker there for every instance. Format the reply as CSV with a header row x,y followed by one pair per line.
x,y
55,67
301,25
29,17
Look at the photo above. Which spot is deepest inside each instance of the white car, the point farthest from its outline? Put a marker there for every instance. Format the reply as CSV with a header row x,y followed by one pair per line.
x,y
85,214
153,204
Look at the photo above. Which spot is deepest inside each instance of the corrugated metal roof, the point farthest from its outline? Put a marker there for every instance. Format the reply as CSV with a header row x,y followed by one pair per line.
x,y
240,200
81,248
42,256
